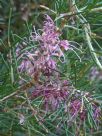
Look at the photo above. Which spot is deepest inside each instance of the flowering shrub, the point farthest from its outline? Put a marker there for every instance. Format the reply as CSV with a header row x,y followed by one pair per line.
x,y
50,73
41,65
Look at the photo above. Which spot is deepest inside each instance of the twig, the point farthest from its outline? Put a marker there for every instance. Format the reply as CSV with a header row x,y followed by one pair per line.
x,y
9,44
9,96
44,7
96,9
78,12
22,88
35,112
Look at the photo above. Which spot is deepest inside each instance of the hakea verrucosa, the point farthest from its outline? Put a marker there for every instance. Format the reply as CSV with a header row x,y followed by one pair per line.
x,y
42,62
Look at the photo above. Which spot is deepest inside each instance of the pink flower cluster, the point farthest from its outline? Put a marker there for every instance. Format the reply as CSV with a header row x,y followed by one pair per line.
x,y
54,94
42,59
42,62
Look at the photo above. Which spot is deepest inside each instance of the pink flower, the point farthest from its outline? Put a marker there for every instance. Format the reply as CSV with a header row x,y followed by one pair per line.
x,y
22,66
51,64
83,114
75,106
53,93
49,26
49,46
64,44
97,113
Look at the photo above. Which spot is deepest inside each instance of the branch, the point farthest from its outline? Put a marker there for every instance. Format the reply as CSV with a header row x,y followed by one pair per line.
x,y
87,34
22,88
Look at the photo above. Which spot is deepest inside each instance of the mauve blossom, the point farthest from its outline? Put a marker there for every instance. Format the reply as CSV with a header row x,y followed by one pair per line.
x,y
65,83
83,114
95,74
49,26
75,107
97,113
22,66
26,66
49,46
51,64
64,44
18,51
53,93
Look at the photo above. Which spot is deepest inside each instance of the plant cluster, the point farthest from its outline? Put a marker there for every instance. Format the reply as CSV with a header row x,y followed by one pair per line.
x,y
41,64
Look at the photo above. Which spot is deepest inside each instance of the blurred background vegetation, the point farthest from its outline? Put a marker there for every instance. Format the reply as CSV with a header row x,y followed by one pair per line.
x,y
16,20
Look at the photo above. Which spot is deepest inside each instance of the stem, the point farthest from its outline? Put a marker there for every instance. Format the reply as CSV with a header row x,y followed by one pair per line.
x,y
92,51
22,88
87,32
9,44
